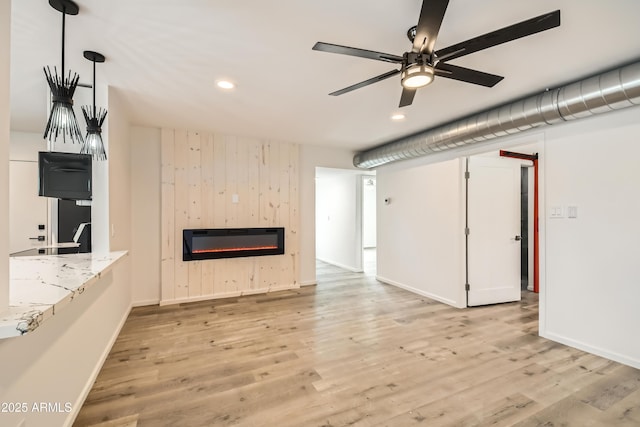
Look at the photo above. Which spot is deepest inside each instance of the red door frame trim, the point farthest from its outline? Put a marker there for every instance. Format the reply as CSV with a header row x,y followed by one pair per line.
x,y
536,238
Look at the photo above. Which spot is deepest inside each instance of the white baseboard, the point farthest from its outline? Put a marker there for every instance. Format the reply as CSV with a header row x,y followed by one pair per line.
x,y
230,294
419,292
96,370
145,303
616,357
337,264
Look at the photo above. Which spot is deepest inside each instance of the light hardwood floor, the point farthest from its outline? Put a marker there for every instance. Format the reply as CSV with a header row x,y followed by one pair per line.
x,y
352,351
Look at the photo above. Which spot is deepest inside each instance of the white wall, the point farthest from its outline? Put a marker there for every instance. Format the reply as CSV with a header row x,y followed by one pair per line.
x,y
24,146
420,232
60,360
311,157
26,208
338,218
145,214
591,292
119,162
5,49
588,285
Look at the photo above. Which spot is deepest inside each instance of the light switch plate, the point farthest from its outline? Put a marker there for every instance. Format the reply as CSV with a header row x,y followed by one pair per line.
x,y
556,212
572,212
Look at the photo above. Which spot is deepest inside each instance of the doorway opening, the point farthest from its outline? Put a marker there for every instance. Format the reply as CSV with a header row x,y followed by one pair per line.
x,y
369,240
526,228
499,235
529,210
345,221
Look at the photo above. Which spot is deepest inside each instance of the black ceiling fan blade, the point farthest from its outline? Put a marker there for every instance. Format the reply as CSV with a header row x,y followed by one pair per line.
x,y
354,51
431,16
503,35
407,97
467,75
372,80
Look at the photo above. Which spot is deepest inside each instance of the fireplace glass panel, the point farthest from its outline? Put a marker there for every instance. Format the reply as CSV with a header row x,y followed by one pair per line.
x,y
200,244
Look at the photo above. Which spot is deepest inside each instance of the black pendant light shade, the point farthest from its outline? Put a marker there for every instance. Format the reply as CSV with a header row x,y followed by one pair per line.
x,y
62,119
94,117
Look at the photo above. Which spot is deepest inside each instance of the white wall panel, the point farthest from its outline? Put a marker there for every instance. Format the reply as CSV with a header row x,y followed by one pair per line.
x,y
421,231
591,290
5,49
145,215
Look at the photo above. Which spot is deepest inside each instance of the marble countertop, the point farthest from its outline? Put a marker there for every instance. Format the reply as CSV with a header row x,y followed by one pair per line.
x,y
40,286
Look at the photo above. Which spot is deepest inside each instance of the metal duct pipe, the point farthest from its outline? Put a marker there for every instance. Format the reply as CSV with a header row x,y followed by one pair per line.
x,y
612,90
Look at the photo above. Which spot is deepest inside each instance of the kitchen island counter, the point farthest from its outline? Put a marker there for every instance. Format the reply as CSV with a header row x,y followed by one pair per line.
x,y
41,286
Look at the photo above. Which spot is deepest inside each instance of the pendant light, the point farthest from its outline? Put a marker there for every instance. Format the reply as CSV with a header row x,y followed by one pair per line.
x,y
62,119
94,117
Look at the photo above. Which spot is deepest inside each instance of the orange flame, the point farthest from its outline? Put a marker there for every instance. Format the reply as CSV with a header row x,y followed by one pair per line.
x,y
217,250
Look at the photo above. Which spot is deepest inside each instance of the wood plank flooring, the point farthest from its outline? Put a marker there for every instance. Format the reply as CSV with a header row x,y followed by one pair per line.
x,y
352,351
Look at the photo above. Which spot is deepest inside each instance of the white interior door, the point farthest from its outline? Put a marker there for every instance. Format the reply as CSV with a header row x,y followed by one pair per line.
x,y
493,217
27,210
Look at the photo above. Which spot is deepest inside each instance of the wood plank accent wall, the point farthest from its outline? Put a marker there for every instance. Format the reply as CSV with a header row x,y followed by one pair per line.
x,y
200,174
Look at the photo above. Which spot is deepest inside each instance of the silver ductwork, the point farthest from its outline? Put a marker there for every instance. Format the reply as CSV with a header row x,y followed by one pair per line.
x,y
612,90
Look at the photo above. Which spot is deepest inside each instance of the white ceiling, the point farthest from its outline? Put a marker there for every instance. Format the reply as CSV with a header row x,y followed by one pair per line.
x,y
164,57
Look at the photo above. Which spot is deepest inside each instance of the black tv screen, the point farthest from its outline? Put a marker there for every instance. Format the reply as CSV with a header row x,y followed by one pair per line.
x,y
65,175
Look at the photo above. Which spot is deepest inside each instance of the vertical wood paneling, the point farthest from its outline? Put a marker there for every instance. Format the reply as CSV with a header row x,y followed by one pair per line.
x,y
283,208
167,230
242,180
253,166
273,176
274,185
201,173
207,190
219,182
231,266
220,203
181,197
294,220
231,181
253,202
263,175
194,177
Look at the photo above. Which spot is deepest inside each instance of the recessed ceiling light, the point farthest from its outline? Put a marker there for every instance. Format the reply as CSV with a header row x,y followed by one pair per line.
x,y
398,116
225,84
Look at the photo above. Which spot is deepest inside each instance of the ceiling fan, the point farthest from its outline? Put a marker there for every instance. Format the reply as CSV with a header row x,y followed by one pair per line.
x,y
419,66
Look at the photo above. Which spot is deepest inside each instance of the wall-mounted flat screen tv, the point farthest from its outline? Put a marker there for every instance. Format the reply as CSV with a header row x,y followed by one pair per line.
x,y
65,175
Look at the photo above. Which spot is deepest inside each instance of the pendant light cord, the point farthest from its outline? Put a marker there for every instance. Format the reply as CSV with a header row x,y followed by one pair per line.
x,y
63,16
94,89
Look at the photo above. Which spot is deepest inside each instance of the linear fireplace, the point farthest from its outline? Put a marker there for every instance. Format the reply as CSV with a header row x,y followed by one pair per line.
x,y
212,243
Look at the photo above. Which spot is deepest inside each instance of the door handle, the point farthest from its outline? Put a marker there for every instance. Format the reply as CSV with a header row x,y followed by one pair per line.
x,y
517,238
39,238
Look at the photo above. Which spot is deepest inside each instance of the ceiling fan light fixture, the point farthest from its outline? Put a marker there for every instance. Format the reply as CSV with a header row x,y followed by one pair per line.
x,y
416,75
